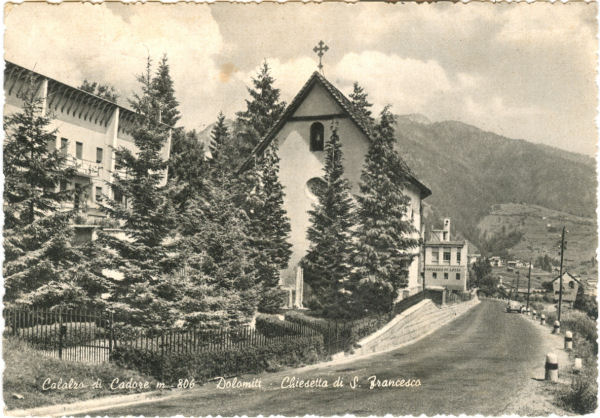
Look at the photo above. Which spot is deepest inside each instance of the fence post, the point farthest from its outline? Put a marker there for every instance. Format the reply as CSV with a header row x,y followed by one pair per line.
x,y
111,335
62,329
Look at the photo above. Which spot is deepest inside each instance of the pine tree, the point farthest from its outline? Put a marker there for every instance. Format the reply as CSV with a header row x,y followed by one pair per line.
x,y
213,247
262,111
360,103
219,137
384,237
41,266
164,90
327,262
271,231
188,167
147,218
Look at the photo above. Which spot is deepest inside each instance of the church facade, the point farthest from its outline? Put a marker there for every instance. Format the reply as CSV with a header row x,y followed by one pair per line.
x,y
300,134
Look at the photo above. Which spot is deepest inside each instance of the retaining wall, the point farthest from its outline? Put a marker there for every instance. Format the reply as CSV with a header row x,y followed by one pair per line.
x,y
411,325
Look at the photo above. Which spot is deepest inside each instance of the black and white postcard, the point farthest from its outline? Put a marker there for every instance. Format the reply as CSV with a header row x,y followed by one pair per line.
x,y
300,208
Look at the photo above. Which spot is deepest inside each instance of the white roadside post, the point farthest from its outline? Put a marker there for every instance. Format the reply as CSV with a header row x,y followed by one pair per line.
x,y
577,366
568,340
556,329
543,319
551,367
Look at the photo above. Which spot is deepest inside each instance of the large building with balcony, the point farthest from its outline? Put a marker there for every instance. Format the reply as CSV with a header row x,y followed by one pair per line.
x,y
446,261
89,130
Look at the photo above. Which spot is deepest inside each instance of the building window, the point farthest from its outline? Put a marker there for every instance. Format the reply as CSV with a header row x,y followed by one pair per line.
x,y
118,195
458,257
98,193
435,256
63,185
79,150
446,257
99,152
317,137
52,144
571,285
445,276
434,275
457,276
64,146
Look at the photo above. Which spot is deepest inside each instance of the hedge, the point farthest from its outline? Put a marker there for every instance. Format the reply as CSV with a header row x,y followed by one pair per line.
x,y
205,365
272,326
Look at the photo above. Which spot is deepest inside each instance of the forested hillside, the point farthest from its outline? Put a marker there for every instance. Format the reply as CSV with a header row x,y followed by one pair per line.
x,y
469,170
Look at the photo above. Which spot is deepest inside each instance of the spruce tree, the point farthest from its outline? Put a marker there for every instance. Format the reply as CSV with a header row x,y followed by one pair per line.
x,y
271,246
147,217
163,88
360,103
213,247
219,136
188,167
327,262
41,266
262,111
385,235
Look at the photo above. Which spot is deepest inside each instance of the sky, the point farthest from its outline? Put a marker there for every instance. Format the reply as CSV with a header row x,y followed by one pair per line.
x,y
526,71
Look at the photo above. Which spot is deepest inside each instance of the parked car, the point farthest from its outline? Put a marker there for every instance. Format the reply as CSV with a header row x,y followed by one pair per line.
x,y
514,306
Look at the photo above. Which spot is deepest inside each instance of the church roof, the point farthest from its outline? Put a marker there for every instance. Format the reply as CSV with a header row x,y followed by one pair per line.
x,y
358,118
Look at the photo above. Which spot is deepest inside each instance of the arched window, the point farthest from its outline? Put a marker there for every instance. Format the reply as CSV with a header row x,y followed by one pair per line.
x,y
317,134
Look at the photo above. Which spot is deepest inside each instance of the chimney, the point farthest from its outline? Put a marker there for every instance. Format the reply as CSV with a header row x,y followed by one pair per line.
x,y
446,230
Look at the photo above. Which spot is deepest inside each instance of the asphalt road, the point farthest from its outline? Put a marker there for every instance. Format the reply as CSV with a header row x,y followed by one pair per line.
x,y
474,365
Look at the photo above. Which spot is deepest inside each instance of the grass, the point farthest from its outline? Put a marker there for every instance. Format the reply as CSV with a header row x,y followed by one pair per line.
x,y
26,370
580,396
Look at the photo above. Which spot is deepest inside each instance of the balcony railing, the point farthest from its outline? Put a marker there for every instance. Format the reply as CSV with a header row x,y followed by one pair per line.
x,y
84,167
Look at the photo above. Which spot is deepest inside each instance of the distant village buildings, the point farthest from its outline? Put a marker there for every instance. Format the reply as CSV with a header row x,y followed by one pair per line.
x,y
89,130
446,261
496,261
301,134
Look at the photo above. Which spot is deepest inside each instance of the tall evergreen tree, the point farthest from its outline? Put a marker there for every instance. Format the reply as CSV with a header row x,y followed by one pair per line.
x,y
188,167
164,90
270,228
213,247
219,136
360,103
262,111
147,218
385,236
327,262
41,266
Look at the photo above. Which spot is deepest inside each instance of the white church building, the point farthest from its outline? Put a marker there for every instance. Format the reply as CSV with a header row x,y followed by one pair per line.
x,y
300,134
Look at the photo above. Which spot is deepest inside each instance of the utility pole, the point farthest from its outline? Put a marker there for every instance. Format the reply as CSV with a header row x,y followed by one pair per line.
x,y
562,248
518,276
528,283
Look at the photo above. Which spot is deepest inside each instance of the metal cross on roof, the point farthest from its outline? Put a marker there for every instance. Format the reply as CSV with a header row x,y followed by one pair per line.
x,y
320,50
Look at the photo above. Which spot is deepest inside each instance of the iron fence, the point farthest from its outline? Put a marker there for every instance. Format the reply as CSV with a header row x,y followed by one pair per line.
x,y
91,336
